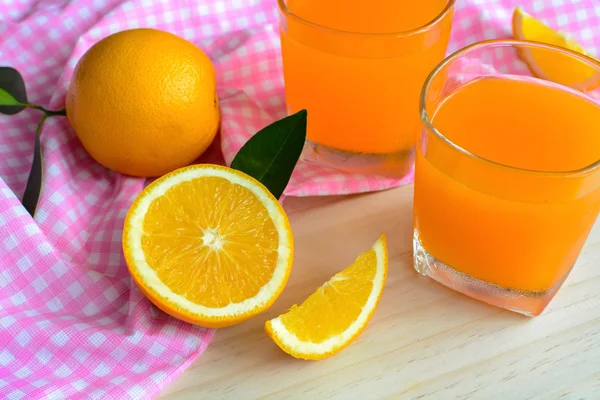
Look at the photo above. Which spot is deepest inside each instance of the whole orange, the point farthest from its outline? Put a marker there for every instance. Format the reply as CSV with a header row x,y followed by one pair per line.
x,y
143,102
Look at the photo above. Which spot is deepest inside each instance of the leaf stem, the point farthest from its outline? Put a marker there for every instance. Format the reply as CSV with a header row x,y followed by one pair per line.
x,y
47,112
38,130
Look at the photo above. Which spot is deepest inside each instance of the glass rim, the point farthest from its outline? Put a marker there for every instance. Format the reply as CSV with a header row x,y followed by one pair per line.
x,y
494,43
287,12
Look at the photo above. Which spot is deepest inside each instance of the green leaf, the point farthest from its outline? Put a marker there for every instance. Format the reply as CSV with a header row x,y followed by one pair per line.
x,y
271,154
31,196
14,96
7,100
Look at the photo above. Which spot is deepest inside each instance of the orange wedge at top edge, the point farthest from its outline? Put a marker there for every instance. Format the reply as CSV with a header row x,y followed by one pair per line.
x,y
550,65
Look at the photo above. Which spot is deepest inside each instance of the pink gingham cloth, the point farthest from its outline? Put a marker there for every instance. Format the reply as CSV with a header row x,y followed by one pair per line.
x,y
72,323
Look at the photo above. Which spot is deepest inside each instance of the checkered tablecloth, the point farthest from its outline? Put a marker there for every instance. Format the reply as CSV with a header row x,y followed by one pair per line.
x,y
72,324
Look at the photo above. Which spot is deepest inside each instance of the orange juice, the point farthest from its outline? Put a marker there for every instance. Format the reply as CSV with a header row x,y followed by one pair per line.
x,y
357,67
520,230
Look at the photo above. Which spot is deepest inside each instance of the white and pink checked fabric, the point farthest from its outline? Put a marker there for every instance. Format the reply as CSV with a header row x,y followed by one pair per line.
x,y
72,324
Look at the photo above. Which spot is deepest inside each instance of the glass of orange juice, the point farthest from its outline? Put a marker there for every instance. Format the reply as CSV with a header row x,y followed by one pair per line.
x,y
357,67
507,174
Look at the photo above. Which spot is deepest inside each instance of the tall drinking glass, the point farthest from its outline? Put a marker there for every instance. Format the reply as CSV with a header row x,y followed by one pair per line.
x,y
507,175
357,67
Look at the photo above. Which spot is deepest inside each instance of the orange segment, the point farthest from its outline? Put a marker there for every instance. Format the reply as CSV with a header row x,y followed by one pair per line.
x,y
548,65
333,316
209,245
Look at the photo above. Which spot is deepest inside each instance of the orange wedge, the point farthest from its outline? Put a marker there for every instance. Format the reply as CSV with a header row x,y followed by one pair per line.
x,y
549,65
335,315
209,245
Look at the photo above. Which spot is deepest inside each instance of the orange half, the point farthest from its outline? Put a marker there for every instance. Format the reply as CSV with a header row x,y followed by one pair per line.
x,y
208,245
572,72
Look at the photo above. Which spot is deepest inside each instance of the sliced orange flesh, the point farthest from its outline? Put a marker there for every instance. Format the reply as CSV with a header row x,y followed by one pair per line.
x,y
334,316
569,71
208,245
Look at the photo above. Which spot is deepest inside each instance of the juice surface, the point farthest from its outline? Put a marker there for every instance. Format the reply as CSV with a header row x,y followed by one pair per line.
x,y
379,16
357,102
523,123
526,238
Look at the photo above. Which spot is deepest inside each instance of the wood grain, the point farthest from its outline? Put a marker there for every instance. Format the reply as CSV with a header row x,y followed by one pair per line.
x,y
424,341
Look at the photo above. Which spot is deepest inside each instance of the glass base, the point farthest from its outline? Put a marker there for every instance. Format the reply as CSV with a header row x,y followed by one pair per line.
x,y
529,303
396,165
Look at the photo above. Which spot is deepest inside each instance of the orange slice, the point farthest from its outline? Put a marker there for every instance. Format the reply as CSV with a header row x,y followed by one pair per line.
x,y
208,245
333,317
549,65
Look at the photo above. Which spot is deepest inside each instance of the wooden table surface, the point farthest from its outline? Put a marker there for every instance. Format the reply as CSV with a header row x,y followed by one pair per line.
x,y
424,341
